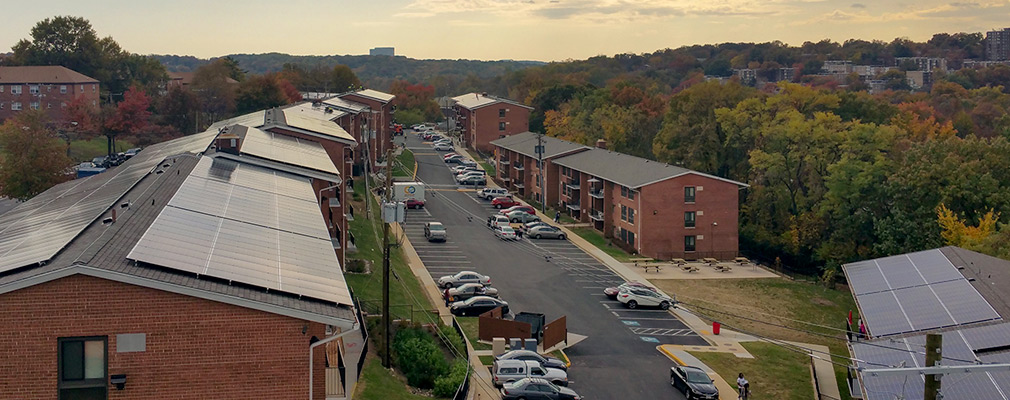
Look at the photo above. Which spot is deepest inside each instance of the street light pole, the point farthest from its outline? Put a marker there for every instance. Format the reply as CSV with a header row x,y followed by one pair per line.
x,y
540,176
711,233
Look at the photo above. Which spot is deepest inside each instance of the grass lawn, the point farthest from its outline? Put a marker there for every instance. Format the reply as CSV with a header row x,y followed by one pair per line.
x,y
378,383
86,150
754,298
773,373
486,360
368,287
596,239
470,328
405,164
487,168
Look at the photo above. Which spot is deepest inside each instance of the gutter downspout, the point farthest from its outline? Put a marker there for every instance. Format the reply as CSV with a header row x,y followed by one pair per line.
x,y
640,221
322,342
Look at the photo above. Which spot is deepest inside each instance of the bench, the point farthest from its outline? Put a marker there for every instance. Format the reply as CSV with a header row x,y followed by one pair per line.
x,y
657,267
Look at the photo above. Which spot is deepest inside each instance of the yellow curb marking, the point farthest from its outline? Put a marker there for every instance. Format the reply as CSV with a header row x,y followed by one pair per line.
x,y
670,354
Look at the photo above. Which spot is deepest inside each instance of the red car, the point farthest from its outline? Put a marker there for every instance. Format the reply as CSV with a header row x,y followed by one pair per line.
x,y
414,203
528,209
504,202
447,155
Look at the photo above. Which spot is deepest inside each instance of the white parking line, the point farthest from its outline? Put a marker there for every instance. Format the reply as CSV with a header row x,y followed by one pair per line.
x,y
593,287
645,319
646,311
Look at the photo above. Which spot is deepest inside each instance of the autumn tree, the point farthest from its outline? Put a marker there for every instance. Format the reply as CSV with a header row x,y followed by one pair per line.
x,y
178,108
957,232
417,99
32,157
215,90
261,92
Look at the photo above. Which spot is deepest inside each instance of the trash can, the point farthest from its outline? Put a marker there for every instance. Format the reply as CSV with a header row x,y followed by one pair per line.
x,y
716,327
536,321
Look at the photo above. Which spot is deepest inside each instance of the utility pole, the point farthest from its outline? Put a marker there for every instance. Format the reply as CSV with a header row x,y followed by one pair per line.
x,y
934,348
388,198
367,155
540,175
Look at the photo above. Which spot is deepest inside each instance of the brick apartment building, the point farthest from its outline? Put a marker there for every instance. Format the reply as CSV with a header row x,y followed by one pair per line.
x,y
46,87
173,276
482,118
519,167
377,120
646,207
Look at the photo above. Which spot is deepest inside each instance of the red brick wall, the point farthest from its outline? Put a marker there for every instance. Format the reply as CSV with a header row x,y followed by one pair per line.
x,y
49,97
663,233
485,122
196,349
379,122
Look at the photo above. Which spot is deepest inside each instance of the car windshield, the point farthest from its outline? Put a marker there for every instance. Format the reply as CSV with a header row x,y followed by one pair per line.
x,y
697,377
507,229
435,226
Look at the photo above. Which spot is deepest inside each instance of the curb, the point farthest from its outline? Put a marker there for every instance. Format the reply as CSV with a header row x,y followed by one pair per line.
x,y
568,361
670,354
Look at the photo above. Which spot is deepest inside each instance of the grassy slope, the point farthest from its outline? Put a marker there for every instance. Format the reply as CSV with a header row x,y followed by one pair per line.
x,y
780,297
86,150
596,239
405,166
378,383
773,373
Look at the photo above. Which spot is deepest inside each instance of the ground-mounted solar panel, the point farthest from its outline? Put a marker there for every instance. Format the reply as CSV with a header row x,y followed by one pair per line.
x,y
246,224
38,229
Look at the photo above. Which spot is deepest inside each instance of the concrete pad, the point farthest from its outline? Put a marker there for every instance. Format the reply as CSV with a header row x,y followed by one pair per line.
x,y
704,271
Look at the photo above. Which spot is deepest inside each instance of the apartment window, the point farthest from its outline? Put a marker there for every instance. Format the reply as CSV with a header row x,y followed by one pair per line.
x,y
624,213
34,105
63,89
501,113
33,89
49,105
1,88
631,215
689,194
631,238
501,126
631,194
624,191
2,105
689,243
82,368
82,88
63,104
689,219
16,106
94,88
624,235
15,89
49,88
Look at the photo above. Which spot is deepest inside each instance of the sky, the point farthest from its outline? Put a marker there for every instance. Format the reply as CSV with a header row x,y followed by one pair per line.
x,y
543,30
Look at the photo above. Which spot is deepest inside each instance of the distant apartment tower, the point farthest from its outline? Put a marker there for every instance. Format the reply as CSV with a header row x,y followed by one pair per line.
x,y
927,64
382,51
997,45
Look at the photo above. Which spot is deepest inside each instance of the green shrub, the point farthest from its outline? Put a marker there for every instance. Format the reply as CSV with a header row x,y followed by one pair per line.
x,y
419,357
446,385
458,346
357,266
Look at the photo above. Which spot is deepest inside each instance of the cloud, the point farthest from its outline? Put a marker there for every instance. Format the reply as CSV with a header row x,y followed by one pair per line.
x,y
606,11
858,5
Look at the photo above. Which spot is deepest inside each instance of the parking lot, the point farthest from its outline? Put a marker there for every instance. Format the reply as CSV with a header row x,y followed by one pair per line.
x,y
619,358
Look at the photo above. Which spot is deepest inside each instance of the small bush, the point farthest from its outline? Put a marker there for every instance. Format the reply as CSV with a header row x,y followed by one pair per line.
x,y
357,266
458,346
446,385
419,357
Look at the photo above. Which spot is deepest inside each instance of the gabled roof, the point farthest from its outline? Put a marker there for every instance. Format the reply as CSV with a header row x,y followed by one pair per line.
x,y
43,74
633,172
297,119
345,105
473,101
318,111
282,152
374,95
525,143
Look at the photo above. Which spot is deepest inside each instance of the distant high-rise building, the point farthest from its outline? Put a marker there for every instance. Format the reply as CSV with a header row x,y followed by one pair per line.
x,y
382,51
997,45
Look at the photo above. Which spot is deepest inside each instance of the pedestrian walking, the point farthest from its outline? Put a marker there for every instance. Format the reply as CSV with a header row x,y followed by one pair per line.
x,y
447,297
519,234
743,386
557,217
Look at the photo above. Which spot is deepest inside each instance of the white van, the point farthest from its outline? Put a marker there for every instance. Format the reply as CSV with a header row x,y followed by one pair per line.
x,y
503,371
491,193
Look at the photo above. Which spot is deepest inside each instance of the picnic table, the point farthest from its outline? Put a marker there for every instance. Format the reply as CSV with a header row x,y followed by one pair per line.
x,y
710,261
657,267
741,260
723,268
689,268
679,261
639,261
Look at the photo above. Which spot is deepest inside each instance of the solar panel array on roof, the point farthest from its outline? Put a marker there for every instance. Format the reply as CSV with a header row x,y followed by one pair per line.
x,y
247,224
39,228
914,292
960,347
288,150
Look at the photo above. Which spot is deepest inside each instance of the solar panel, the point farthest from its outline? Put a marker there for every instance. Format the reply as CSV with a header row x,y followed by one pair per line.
x,y
250,225
922,308
988,337
899,272
38,229
964,302
865,277
287,150
934,266
883,314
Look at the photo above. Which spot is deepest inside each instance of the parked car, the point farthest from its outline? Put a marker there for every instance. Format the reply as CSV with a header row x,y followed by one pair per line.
x,y
478,305
546,231
132,152
435,232
497,220
476,180
491,193
414,203
455,159
530,355
470,163
694,382
447,155
470,174
520,207
466,291
505,232
442,147
536,388
503,371
504,202
611,292
461,168
530,225
633,297
520,216
463,277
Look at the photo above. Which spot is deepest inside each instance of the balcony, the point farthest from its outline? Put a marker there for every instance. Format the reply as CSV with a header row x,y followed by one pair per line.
x,y
519,185
334,202
596,215
572,206
503,161
598,194
518,166
574,185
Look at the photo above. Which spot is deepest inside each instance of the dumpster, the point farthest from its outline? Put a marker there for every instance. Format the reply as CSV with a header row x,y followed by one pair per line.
x,y
536,321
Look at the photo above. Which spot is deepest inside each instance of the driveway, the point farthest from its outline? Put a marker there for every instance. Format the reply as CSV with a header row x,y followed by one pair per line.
x,y
619,358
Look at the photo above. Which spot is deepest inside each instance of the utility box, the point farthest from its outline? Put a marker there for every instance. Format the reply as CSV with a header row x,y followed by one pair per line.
x,y
394,212
408,190
536,321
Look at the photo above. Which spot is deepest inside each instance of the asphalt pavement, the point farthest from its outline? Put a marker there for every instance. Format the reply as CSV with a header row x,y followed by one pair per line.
x,y
619,358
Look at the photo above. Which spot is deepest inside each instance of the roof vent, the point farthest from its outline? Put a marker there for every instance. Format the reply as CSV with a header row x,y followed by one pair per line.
x,y
601,143
159,172
125,205
107,221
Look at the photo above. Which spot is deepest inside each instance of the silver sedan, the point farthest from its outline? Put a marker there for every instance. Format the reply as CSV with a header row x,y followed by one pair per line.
x,y
545,231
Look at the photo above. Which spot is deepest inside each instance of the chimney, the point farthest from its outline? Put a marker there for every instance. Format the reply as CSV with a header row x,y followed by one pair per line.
x,y
601,143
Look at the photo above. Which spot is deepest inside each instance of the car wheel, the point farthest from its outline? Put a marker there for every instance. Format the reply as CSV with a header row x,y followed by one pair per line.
x,y
537,236
561,236
632,304
498,206
664,305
